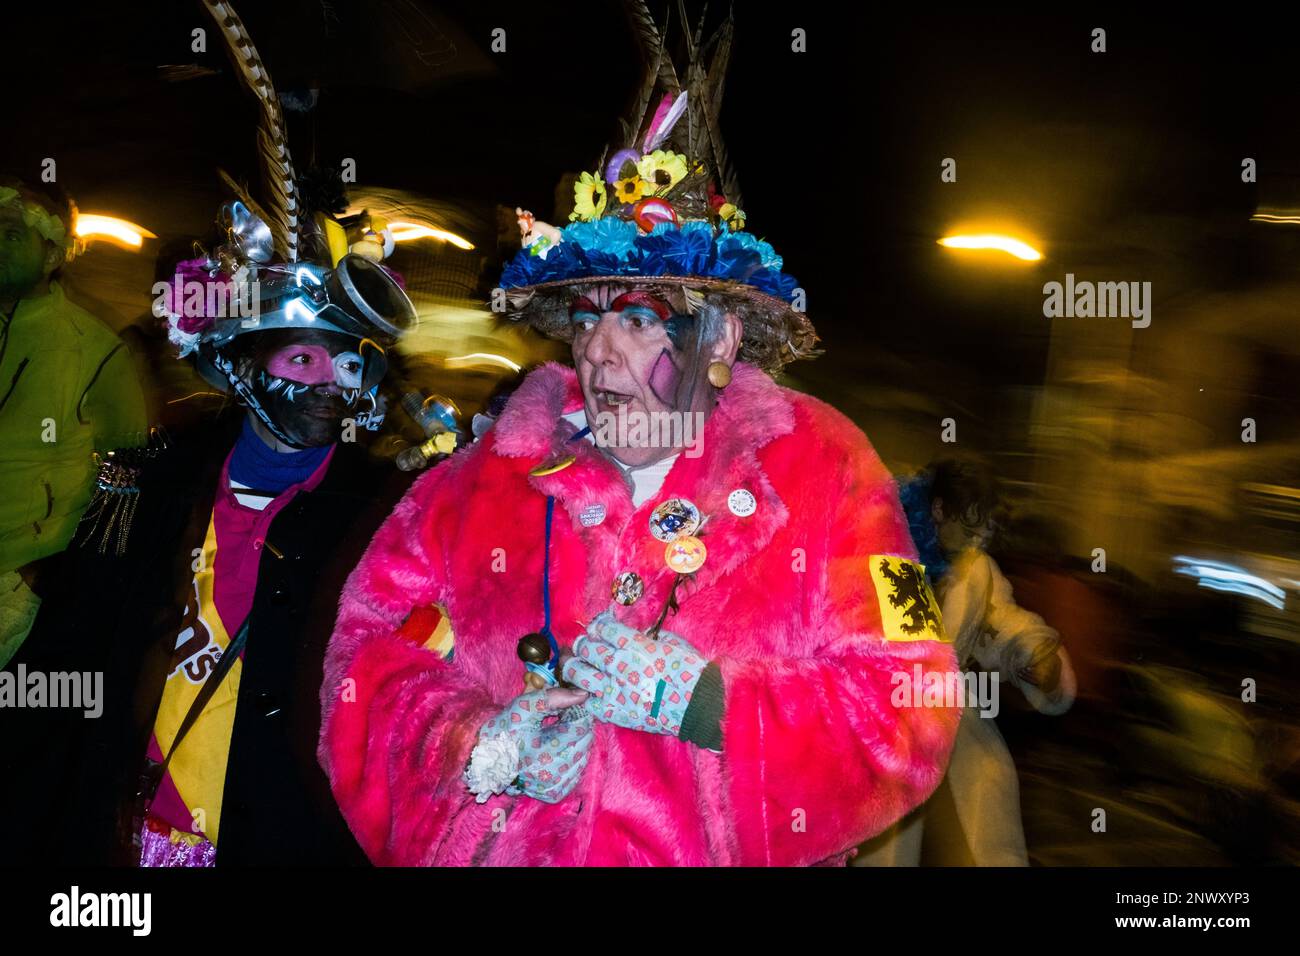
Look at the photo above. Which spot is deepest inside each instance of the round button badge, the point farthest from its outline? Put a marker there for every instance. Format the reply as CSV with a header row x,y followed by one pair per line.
x,y
628,588
685,555
675,518
742,503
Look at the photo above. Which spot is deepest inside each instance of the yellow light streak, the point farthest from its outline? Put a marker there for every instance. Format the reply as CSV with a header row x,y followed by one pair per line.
x,y
407,231
121,231
1000,243
482,358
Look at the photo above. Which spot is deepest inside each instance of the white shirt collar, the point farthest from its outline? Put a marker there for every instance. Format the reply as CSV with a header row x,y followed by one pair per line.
x,y
646,480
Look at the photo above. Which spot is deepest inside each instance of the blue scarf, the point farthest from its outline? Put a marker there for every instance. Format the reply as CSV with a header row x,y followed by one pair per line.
x,y
257,466
914,495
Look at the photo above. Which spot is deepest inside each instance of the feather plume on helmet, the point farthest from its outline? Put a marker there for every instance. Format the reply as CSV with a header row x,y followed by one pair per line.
x,y
288,262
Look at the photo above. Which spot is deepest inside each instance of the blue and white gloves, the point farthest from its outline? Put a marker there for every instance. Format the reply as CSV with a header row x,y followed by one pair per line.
x,y
641,684
537,746
540,743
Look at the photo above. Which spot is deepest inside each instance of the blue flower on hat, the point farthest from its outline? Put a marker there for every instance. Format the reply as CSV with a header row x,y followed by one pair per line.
x,y
774,283
610,235
690,225
523,269
735,260
614,247
568,260
646,259
603,263
565,261
766,253
685,252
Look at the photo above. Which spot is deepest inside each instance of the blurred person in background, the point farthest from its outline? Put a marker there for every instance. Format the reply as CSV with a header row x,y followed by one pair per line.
x,y
950,508
68,392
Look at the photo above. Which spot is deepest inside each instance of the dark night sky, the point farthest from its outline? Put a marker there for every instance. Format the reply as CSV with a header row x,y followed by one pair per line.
x,y
1126,163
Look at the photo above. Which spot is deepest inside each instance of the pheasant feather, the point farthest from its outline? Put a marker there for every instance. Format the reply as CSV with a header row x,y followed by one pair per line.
x,y
279,190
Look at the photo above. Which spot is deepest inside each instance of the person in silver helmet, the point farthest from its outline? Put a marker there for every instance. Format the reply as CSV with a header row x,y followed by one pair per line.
x,y
206,598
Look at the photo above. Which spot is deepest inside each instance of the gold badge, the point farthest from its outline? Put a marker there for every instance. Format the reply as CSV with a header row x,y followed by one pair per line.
x,y
908,610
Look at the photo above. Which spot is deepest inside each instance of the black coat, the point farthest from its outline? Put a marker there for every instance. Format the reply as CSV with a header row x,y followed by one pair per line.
x,y
70,782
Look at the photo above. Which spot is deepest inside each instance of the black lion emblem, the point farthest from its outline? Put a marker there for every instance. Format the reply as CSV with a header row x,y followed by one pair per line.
x,y
913,595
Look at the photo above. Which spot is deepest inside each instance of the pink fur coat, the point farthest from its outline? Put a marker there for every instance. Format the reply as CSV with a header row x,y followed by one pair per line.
x,y
815,758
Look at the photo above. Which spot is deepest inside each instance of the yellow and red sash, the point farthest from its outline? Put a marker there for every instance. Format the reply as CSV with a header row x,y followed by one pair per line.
x,y
198,769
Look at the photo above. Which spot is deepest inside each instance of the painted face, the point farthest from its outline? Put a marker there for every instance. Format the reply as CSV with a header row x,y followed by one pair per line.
x,y
307,385
22,254
633,355
315,365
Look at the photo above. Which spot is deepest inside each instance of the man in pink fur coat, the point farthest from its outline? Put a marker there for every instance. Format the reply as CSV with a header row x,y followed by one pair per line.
x,y
662,612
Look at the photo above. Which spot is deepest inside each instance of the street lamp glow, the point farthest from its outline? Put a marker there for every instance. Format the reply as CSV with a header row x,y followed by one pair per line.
x,y
108,227
1008,244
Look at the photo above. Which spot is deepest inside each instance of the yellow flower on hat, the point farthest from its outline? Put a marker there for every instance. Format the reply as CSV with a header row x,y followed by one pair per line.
x,y
631,189
588,198
662,170
732,215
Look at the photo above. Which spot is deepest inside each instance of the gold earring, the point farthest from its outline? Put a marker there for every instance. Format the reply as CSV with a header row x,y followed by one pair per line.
x,y
719,374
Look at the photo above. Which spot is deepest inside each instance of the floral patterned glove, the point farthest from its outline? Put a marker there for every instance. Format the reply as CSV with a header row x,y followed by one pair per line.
x,y
537,746
642,684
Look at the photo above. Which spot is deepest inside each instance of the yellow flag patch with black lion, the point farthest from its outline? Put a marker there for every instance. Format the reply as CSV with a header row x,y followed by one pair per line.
x,y
908,609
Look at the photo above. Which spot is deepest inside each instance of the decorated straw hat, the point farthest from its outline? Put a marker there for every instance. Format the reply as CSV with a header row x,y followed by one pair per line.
x,y
662,211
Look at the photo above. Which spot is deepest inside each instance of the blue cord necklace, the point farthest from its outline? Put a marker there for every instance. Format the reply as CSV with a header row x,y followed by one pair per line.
x,y
540,652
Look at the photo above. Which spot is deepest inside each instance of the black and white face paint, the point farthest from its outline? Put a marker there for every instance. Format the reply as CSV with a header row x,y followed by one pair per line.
x,y
304,383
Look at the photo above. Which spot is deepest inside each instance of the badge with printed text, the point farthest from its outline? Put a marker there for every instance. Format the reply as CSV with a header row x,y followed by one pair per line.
x,y
742,503
592,515
908,609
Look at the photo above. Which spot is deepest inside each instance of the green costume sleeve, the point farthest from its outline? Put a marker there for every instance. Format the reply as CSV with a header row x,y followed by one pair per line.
x,y
114,404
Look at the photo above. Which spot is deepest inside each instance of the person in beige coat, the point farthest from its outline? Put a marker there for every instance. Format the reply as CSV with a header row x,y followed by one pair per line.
x,y
950,510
